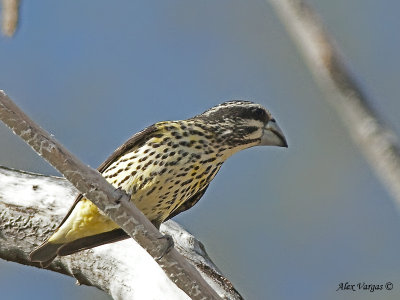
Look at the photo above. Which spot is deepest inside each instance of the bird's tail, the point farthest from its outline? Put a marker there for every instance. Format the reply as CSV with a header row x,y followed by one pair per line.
x,y
45,254
48,251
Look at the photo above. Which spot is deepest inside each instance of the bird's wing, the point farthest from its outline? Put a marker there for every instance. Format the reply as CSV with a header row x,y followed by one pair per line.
x,y
188,203
48,251
135,141
92,241
118,234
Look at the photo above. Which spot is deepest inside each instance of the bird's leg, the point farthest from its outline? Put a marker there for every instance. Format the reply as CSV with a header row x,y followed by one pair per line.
x,y
169,244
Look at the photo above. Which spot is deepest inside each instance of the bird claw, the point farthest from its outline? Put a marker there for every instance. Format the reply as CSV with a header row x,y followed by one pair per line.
x,y
167,247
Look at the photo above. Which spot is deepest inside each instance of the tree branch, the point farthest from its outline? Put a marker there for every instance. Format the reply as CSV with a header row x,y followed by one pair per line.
x,y
113,202
9,16
32,205
379,144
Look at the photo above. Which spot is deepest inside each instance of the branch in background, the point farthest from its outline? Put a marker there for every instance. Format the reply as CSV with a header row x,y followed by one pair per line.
x,y
379,144
9,17
113,202
32,205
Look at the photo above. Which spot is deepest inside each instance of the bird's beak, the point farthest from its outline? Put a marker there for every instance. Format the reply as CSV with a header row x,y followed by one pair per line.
x,y
273,135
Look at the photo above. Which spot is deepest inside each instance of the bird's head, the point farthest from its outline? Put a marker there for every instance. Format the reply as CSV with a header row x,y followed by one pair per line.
x,y
243,124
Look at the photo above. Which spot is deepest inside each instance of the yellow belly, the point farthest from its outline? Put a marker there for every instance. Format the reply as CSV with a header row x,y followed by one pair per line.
x,y
85,220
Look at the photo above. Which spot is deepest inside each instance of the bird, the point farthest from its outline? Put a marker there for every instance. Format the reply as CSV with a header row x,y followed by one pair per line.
x,y
165,168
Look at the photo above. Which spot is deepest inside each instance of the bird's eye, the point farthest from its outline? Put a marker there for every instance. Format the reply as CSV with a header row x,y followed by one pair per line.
x,y
259,114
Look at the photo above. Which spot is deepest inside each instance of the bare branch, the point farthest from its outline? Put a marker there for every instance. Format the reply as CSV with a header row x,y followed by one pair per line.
x,y
379,144
9,17
32,205
114,203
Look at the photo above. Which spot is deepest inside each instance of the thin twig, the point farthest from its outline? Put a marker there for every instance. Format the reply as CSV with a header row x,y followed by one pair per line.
x,y
114,203
10,14
379,144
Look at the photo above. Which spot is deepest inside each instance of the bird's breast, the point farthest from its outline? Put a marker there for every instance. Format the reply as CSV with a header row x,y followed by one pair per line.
x,y
164,173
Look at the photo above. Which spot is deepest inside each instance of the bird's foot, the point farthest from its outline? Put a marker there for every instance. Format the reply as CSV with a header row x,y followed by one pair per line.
x,y
169,244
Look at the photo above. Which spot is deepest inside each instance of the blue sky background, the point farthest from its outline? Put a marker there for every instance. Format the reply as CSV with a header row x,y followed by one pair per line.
x,y
280,223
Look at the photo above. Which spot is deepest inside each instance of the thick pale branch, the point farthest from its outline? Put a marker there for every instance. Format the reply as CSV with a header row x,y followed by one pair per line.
x,y
379,144
32,205
114,203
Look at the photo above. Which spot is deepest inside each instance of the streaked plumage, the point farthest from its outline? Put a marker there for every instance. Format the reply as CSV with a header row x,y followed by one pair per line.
x,y
166,168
